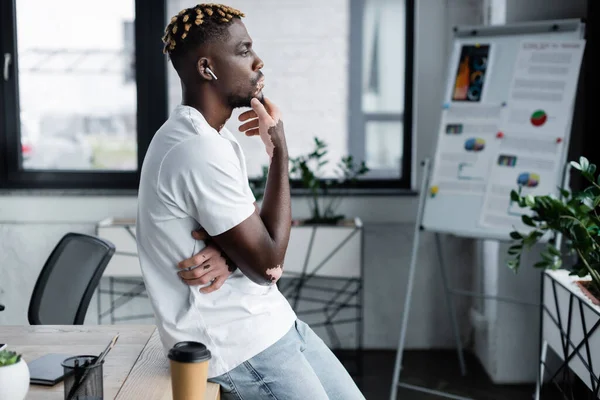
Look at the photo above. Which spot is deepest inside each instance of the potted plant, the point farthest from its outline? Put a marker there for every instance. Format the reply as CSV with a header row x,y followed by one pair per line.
x,y
570,297
324,194
14,376
576,217
325,234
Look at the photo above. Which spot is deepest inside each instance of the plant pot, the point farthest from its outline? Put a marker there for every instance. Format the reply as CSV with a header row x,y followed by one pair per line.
x,y
14,381
586,289
331,250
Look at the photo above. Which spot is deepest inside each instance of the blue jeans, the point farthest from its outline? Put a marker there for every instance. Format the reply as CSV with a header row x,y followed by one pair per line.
x,y
299,366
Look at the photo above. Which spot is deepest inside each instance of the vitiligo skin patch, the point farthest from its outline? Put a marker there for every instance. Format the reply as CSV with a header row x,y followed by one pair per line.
x,y
274,273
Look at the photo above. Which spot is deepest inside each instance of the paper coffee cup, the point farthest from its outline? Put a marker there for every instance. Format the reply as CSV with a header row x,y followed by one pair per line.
x,y
189,370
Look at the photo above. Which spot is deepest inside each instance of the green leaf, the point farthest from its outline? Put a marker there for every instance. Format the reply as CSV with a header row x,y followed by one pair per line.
x,y
557,263
585,209
532,238
541,264
576,165
584,163
554,251
9,357
582,273
514,196
527,220
515,249
544,201
513,264
516,235
547,257
529,200
537,234
591,170
564,193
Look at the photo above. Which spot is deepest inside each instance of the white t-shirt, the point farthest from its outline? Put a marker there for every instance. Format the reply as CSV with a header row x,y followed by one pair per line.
x,y
193,176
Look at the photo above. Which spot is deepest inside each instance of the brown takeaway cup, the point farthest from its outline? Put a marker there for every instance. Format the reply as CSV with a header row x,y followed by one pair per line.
x,y
189,370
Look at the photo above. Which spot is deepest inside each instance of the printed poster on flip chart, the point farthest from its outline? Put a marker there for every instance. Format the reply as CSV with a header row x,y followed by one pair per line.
x,y
467,142
535,126
471,70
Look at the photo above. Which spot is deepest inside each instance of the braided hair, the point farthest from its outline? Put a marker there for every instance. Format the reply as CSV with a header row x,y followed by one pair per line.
x,y
196,25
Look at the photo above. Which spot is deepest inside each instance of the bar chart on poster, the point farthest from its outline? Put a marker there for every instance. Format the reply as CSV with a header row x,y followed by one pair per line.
x,y
505,124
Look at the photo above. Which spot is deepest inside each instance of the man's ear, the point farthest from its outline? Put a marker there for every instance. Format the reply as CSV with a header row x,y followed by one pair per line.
x,y
201,67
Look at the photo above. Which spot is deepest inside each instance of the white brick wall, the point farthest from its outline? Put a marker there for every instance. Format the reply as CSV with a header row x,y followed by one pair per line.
x,y
304,45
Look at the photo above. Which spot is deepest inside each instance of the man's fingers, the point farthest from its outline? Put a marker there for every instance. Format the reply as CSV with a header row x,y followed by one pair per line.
x,y
261,111
198,275
204,255
272,109
249,125
253,132
246,115
217,283
207,253
190,262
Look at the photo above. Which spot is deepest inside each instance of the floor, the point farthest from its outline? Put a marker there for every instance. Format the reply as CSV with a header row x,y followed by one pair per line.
x,y
439,370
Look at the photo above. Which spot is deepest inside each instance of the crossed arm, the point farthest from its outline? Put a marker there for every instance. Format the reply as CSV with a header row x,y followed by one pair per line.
x,y
210,265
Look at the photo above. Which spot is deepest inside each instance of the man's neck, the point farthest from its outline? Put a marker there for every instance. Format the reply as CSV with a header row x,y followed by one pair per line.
x,y
213,111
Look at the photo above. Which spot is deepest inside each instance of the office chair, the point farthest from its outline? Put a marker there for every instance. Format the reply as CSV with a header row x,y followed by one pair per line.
x,y
70,276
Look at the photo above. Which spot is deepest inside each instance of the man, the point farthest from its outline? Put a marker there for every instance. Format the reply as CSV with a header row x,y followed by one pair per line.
x,y
194,179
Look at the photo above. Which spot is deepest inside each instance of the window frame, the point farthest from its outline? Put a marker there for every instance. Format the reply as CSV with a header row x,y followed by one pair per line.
x,y
358,119
151,81
152,107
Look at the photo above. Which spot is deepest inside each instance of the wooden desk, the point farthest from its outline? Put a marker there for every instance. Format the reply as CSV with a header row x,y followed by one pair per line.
x,y
136,368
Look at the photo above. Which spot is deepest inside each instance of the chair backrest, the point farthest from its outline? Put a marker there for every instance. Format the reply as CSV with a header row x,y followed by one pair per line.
x,y
70,276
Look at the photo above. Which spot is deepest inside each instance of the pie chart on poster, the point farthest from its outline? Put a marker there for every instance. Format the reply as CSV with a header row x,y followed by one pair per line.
x,y
539,118
474,144
528,179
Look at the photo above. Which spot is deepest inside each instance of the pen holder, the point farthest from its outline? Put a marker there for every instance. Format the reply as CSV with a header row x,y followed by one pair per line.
x,y
83,380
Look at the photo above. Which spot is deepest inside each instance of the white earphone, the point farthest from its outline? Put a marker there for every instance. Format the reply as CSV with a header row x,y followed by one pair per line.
x,y
211,73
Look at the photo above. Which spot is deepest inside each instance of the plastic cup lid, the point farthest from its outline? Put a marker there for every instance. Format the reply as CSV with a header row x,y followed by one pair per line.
x,y
189,352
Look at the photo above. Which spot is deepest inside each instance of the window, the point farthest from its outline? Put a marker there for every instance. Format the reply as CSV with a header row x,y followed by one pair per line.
x,y
81,94
381,57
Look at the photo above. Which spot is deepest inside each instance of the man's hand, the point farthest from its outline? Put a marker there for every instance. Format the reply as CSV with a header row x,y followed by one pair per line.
x,y
209,265
264,121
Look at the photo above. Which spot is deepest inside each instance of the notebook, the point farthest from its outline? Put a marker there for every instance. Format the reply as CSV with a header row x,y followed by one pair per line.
x,y
47,370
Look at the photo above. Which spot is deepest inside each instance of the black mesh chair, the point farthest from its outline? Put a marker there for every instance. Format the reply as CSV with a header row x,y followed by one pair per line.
x,y
65,286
